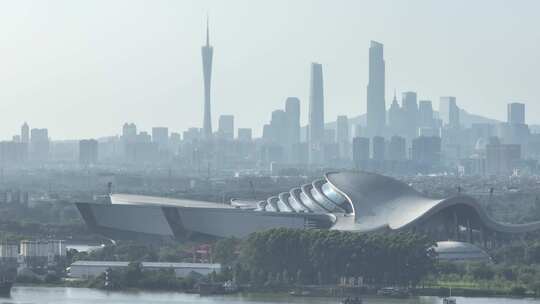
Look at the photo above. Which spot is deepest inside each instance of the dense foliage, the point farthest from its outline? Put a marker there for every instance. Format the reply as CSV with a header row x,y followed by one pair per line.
x,y
135,277
516,270
515,279
322,256
138,252
526,251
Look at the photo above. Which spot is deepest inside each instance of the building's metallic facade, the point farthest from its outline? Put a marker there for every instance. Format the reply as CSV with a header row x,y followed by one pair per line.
x,y
347,201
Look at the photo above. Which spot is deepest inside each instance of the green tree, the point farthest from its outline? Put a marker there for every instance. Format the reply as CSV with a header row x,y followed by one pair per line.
x,y
224,251
133,274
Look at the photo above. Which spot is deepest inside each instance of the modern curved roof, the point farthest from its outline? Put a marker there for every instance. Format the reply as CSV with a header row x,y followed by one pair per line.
x,y
356,201
381,202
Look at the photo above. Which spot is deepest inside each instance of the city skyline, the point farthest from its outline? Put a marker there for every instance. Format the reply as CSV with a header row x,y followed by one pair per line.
x,y
57,106
252,147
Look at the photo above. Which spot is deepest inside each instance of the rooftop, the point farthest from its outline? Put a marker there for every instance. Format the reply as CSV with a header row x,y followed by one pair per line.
x,y
133,199
146,264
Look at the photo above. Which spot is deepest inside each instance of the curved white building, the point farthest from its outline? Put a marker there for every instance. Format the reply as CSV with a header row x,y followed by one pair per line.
x,y
348,201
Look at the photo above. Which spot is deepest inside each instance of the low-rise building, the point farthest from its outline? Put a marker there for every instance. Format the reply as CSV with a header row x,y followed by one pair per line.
x,y
9,251
87,269
41,252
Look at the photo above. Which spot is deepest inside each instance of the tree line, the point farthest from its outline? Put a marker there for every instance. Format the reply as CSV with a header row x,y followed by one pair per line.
x,y
134,277
324,256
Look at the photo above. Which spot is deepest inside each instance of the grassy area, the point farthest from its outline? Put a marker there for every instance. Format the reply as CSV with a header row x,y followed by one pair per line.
x,y
475,288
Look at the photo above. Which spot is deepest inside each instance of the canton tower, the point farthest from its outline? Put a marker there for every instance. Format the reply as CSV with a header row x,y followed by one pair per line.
x,y
207,52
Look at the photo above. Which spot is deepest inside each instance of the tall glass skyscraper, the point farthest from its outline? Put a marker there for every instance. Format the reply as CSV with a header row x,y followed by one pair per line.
x,y
292,108
516,113
410,114
316,114
449,111
376,106
207,52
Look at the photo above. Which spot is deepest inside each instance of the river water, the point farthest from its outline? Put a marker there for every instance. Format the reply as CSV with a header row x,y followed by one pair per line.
x,y
62,295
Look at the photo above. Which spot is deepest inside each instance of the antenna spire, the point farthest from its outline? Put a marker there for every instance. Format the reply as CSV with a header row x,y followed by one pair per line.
x,y
207,31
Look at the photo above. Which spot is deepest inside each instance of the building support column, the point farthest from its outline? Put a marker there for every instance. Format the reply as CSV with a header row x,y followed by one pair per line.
x,y
456,227
483,236
469,231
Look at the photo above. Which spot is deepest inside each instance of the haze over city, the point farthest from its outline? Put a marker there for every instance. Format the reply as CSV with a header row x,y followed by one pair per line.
x,y
82,69
269,151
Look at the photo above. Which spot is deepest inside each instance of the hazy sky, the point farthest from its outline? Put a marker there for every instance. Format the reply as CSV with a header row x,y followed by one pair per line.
x,y
83,68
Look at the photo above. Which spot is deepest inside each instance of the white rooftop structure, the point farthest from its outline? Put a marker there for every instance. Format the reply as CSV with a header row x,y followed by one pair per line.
x,y
85,269
460,252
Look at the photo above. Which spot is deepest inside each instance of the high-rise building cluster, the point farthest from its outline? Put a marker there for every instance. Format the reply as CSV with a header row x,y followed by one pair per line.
x,y
409,136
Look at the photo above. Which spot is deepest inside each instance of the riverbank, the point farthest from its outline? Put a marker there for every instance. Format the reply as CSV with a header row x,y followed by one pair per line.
x,y
306,291
67,295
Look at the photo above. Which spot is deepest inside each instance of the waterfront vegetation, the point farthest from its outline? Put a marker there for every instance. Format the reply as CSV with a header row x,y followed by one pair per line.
x,y
135,278
320,257
516,274
281,259
277,258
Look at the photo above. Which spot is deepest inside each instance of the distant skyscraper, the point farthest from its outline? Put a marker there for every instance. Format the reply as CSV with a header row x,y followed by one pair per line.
x,y
379,148
174,141
516,113
88,151
410,114
316,114
329,136
25,133
342,128
12,152
426,150
39,144
144,137
342,136
397,148
267,134
244,134
395,117
278,127
207,52
358,131
175,137
501,158
292,109
192,135
449,112
226,127
376,107
129,132
425,114
160,136
360,151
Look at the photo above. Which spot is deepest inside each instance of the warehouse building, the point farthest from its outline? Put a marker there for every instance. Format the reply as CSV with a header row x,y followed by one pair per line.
x,y
88,269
